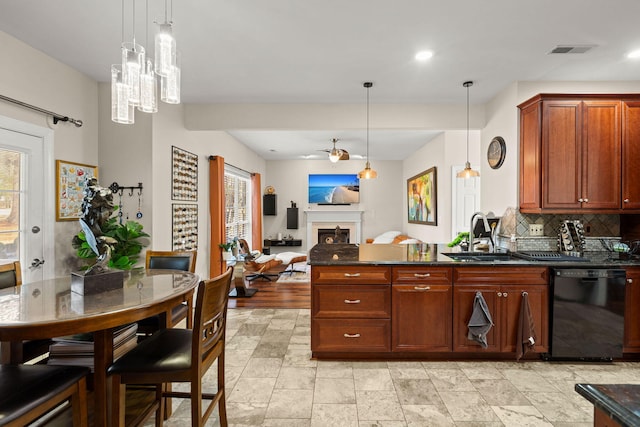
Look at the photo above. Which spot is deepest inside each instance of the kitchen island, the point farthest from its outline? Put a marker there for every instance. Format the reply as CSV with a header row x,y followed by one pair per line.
x,y
415,302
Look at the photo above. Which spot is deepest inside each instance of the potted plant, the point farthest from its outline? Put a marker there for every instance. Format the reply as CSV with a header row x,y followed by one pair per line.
x,y
226,249
126,251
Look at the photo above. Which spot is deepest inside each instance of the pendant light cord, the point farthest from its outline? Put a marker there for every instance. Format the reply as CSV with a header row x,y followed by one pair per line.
x,y
368,87
467,84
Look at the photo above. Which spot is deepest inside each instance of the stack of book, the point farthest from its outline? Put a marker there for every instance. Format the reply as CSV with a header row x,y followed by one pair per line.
x,y
78,349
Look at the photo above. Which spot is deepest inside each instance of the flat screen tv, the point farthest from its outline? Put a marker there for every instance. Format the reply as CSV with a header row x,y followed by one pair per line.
x,y
334,189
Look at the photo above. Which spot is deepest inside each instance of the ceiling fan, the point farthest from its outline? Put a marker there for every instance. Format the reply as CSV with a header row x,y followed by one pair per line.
x,y
336,154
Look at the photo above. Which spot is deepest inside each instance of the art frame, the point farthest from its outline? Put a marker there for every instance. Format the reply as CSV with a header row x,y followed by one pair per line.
x,y
184,181
422,198
184,227
71,178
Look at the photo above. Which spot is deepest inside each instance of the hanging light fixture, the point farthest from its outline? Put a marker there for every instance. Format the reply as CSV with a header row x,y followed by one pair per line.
x,y
467,172
135,80
335,153
367,172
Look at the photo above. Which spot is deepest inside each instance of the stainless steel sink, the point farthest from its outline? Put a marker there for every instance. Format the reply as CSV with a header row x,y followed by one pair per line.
x,y
479,256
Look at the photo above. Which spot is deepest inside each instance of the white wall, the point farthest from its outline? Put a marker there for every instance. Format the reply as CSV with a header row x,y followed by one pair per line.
x,y
380,199
445,151
29,76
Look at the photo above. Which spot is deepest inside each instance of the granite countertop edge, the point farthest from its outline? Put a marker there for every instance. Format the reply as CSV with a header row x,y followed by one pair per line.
x,y
611,399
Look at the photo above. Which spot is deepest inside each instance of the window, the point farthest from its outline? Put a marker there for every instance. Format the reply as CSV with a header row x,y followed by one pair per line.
x,y
237,190
10,165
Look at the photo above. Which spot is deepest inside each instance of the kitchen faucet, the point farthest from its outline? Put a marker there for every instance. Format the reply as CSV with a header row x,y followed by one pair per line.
x,y
486,229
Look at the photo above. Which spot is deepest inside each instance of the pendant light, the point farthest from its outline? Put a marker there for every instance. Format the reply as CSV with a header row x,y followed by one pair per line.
x,y
467,172
367,172
335,153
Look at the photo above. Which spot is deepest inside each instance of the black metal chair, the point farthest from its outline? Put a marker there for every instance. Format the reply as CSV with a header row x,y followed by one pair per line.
x,y
170,260
29,392
180,355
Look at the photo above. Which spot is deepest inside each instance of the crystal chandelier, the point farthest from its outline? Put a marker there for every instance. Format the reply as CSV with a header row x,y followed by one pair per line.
x,y
134,82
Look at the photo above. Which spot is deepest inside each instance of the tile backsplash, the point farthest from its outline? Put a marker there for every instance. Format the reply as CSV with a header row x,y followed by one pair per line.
x,y
596,228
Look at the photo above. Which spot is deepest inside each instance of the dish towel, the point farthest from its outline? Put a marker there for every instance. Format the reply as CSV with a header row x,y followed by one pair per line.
x,y
526,336
480,322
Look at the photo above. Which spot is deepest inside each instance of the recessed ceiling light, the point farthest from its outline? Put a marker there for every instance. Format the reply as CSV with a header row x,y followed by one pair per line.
x,y
423,55
634,55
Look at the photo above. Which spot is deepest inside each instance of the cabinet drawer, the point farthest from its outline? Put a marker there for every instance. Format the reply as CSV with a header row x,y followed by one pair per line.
x,y
500,275
351,274
435,275
363,301
351,335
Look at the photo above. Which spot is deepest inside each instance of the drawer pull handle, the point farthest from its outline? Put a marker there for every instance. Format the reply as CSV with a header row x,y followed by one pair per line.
x,y
352,301
422,288
421,275
351,274
352,335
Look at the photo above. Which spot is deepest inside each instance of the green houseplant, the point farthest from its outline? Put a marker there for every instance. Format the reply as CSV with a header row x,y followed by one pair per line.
x,y
227,247
130,240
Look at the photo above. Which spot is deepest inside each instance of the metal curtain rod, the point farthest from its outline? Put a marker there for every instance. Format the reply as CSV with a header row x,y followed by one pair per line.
x,y
56,117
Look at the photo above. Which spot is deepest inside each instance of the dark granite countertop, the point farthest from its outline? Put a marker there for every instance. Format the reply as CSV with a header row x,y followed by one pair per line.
x,y
434,254
619,401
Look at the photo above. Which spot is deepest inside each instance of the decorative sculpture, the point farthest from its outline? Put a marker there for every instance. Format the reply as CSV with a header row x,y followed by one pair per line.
x,y
97,207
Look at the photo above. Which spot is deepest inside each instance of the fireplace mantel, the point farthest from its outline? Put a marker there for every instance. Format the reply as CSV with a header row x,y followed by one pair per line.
x,y
329,219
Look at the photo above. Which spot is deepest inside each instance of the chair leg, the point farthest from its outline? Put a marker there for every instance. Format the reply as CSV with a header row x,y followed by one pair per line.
x,y
118,400
79,404
196,404
222,406
190,313
161,406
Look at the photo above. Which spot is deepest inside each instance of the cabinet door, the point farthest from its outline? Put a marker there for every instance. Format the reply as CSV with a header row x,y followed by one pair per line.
x,y
510,297
421,317
601,155
463,297
530,177
631,155
561,149
631,312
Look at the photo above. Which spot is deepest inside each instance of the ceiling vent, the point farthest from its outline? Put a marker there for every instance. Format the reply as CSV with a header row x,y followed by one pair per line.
x,y
573,49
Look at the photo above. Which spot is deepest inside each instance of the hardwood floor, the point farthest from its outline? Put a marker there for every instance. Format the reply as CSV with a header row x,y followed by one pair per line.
x,y
275,295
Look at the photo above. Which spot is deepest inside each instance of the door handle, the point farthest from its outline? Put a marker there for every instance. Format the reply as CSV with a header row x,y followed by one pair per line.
x,y
36,263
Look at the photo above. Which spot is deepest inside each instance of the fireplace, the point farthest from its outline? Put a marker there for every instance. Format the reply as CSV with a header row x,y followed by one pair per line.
x,y
350,223
333,235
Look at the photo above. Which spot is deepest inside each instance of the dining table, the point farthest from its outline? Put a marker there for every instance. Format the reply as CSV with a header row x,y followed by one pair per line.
x,y
49,309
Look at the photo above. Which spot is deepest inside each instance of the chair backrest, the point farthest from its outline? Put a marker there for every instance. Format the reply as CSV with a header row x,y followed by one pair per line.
x,y
10,275
210,320
171,260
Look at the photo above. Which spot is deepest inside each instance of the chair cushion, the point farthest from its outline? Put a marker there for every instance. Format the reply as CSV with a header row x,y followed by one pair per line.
x,y
168,350
25,387
386,237
289,257
7,279
170,262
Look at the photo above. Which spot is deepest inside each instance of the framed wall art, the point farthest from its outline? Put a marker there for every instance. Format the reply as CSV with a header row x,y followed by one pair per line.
x,y
70,182
184,177
421,198
184,227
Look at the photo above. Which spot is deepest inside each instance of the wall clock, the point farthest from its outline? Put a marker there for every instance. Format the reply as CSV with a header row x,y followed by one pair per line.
x,y
496,152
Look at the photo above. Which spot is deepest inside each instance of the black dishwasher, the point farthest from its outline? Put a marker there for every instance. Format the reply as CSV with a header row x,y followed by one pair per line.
x,y
587,314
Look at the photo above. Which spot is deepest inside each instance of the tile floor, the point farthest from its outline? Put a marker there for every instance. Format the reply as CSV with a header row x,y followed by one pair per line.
x,y
271,381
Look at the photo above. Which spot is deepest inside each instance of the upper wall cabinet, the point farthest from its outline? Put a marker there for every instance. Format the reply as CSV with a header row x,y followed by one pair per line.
x,y
577,153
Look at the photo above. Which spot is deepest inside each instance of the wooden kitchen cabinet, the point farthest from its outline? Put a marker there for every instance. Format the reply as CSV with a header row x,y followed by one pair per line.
x,y
571,153
350,309
421,309
502,289
630,155
631,312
